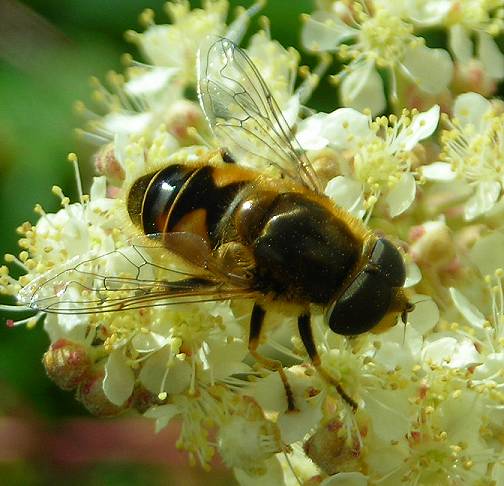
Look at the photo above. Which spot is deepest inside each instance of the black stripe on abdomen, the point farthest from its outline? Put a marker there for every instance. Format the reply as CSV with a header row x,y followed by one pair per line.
x,y
159,197
200,192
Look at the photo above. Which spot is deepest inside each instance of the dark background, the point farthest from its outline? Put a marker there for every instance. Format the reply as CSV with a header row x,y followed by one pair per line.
x,y
48,51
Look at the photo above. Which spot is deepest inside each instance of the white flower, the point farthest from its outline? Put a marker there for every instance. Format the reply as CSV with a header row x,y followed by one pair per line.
x,y
278,66
443,448
378,41
381,155
483,20
464,20
473,148
175,45
150,95
308,399
422,13
247,440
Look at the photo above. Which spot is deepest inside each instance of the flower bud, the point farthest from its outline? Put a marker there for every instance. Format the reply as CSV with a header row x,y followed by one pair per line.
x,y
90,393
329,449
471,76
67,363
432,245
106,164
184,114
142,399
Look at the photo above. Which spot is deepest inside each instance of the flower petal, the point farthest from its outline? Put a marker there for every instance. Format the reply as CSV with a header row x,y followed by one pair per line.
x,y
438,171
157,378
363,89
490,55
387,407
448,351
344,128
273,475
57,327
425,315
413,274
98,188
119,378
430,69
163,415
401,196
488,253
226,359
346,193
429,13
484,199
147,342
421,127
151,81
127,123
309,133
470,312
325,31
346,479
470,108
460,43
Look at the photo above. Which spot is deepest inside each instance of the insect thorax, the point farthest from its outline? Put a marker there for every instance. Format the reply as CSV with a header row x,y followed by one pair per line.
x,y
302,251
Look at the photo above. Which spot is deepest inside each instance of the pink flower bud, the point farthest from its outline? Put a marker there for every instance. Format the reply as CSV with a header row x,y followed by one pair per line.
x,y
142,399
67,363
90,393
106,164
329,449
182,115
432,245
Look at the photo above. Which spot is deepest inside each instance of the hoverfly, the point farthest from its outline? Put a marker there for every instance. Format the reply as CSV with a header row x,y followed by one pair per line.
x,y
241,233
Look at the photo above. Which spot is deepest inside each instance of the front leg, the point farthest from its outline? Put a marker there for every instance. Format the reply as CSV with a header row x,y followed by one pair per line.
x,y
256,324
306,333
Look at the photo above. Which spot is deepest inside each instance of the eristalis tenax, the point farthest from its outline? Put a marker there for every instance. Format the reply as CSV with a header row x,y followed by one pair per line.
x,y
241,233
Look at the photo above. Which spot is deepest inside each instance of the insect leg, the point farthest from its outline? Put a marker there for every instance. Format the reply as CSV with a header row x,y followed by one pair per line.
x,y
256,323
305,331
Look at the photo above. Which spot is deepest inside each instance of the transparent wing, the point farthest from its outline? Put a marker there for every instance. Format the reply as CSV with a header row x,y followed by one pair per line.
x,y
143,274
243,114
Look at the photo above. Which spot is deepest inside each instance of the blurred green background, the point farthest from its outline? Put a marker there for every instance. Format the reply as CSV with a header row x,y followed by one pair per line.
x,y
48,51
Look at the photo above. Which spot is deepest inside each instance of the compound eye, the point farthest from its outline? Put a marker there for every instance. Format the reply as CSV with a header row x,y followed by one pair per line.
x,y
390,262
362,305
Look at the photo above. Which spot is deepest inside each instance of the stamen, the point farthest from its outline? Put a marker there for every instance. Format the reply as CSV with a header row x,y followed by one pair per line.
x,y
92,138
239,26
9,258
14,308
72,158
57,191
30,322
311,81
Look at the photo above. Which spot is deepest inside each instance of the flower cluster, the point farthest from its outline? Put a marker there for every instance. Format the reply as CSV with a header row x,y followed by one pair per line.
x,y
428,173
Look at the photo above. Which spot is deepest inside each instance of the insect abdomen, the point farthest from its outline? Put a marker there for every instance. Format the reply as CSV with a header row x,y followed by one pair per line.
x,y
183,198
